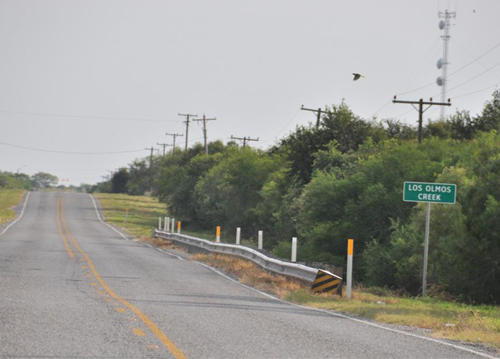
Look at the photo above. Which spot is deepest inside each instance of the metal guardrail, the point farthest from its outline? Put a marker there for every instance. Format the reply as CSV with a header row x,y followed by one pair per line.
x,y
298,271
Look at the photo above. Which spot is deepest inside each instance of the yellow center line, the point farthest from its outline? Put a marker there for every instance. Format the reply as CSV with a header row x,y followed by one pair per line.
x,y
169,344
59,227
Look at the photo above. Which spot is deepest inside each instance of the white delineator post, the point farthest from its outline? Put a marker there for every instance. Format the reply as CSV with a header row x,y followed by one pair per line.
x,y
260,240
165,224
159,223
238,235
217,234
173,225
350,250
294,249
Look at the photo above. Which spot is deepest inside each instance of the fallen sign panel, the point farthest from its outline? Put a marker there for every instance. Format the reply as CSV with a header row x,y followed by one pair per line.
x,y
327,282
429,192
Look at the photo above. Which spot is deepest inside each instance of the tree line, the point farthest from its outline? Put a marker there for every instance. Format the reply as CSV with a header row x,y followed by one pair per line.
x,y
23,181
344,179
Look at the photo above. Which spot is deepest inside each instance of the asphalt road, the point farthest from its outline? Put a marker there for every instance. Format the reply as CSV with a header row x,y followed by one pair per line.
x,y
70,287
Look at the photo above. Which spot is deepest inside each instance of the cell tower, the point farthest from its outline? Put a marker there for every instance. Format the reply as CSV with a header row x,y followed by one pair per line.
x,y
442,63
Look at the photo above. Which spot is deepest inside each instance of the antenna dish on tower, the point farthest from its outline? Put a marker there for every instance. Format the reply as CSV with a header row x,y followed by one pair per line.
x,y
442,25
439,63
439,81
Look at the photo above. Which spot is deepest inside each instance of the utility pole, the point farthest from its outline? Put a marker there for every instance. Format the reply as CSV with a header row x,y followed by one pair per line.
x,y
187,115
204,119
317,112
244,139
174,135
421,110
164,145
150,156
150,167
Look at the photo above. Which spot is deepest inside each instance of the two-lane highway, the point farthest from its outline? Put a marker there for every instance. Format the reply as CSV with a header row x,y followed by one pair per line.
x,y
70,287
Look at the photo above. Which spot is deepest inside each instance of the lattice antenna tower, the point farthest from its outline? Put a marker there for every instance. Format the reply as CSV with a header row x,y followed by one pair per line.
x,y
442,63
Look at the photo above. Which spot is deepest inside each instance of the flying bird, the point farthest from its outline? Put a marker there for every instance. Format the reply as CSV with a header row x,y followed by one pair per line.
x,y
356,76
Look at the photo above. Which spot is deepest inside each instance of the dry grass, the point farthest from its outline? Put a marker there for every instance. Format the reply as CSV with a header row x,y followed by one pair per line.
x,y
9,199
443,319
251,274
163,243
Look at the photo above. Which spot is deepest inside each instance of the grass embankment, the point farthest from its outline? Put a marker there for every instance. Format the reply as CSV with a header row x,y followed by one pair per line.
x,y
443,319
9,199
138,215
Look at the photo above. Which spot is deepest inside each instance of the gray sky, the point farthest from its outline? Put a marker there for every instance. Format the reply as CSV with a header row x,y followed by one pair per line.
x,y
109,76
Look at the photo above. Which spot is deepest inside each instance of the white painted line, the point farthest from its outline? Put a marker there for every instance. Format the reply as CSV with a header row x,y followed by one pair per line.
x,y
166,251
335,314
18,217
102,221
238,282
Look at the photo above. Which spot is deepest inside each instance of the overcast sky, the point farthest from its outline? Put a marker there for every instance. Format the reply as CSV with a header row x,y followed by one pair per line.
x,y
109,76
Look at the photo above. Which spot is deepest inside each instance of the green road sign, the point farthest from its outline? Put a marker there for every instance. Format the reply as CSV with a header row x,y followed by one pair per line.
x,y
429,192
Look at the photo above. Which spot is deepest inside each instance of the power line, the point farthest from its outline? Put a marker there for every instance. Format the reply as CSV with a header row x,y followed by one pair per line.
x,y
35,149
474,92
95,117
454,72
187,115
475,77
475,60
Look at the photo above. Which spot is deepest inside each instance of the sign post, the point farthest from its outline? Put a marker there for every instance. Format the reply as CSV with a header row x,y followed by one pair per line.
x,y
444,193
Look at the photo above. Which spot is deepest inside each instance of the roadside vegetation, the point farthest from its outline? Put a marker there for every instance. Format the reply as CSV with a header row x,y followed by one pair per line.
x,y
137,215
9,199
437,316
343,179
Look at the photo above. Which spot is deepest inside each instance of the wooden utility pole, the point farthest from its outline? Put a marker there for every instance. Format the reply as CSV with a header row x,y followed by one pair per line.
x,y
174,135
318,113
150,167
164,145
244,139
421,110
187,115
204,119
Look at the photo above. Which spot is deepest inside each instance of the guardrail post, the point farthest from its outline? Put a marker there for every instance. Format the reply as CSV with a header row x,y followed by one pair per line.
x,y
165,224
260,240
159,223
238,235
294,249
350,250
179,227
217,234
173,225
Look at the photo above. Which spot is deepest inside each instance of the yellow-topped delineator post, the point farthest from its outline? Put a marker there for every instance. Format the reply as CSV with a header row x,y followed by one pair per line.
x,y
217,234
350,252
178,226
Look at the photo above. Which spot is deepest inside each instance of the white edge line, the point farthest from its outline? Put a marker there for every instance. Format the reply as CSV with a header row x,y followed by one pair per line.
x,y
335,314
99,217
102,221
18,217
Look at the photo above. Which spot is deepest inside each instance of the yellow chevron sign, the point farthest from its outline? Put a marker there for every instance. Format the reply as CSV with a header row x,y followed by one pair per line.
x,y
326,282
